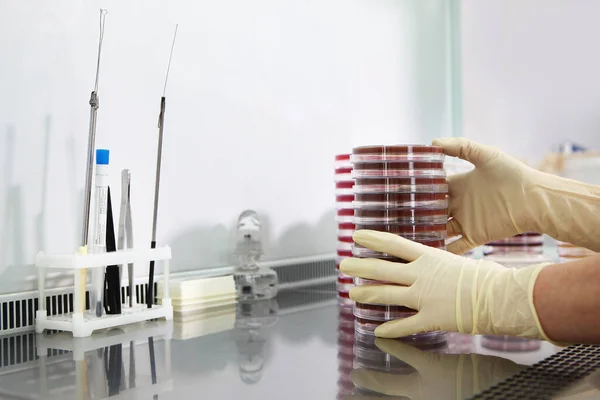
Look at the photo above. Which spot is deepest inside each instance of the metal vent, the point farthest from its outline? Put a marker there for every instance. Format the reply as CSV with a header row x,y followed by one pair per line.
x,y
548,377
296,300
307,273
17,311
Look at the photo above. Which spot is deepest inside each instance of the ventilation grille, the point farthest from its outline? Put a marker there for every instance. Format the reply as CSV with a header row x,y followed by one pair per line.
x,y
548,377
17,312
306,273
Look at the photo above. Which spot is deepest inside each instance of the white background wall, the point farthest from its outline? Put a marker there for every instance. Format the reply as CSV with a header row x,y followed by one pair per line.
x,y
261,95
530,73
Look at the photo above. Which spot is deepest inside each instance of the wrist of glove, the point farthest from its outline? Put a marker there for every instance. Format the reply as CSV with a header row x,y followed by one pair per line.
x,y
449,292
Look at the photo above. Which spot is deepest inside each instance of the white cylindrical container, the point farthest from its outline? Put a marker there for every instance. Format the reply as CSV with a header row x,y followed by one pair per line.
x,y
98,242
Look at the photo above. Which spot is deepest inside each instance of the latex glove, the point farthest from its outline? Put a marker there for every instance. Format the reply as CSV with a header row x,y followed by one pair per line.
x,y
503,197
436,376
450,292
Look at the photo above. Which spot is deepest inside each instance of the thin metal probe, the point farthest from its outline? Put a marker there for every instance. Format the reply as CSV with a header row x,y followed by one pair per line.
x,y
161,124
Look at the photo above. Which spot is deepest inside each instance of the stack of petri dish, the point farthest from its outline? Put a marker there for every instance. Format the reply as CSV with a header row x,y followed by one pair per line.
x,y
526,243
402,190
344,196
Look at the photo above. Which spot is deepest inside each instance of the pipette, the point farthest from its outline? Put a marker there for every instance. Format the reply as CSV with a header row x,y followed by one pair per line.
x,y
94,104
161,124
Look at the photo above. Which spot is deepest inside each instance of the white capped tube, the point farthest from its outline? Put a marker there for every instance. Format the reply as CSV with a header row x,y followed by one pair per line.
x,y
98,242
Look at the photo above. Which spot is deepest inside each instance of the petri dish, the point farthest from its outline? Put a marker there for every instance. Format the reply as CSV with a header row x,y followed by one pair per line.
x,y
368,342
344,247
345,212
390,187
344,198
364,281
537,248
367,327
379,312
400,216
405,165
344,299
524,239
383,204
363,252
344,185
403,152
341,254
431,230
345,279
397,173
345,232
346,226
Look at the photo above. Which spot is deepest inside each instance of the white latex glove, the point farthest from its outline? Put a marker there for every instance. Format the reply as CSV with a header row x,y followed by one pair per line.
x,y
437,376
503,197
450,292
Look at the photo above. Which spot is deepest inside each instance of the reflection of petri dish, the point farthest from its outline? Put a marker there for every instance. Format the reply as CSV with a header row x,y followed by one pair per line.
x,y
367,327
400,216
400,185
513,249
397,173
379,312
438,230
508,343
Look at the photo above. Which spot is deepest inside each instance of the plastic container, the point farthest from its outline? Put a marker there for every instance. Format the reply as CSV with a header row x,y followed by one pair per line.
x,y
437,230
367,327
400,216
376,312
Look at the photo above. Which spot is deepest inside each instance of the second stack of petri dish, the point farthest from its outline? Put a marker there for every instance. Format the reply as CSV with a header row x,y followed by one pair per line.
x,y
524,244
344,197
402,190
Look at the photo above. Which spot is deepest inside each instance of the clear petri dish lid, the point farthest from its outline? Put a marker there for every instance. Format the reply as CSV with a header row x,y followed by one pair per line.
x,y
378,153
345,232
344,247
400,185
398,173
390,203
344,192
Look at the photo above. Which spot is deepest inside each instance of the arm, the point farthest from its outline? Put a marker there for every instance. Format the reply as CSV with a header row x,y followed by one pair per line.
x,y
567,300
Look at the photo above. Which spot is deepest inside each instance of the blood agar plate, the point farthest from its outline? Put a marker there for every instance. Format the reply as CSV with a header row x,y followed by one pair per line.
x,y
346,226
397,153
344,198
379,312
344,253
400,216
433,231
397,173
344,280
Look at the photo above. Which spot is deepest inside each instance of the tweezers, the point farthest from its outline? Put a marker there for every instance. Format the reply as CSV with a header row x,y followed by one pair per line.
x,y
125,240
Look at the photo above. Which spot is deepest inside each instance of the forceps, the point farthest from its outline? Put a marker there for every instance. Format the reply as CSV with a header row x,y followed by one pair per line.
x,y
125,239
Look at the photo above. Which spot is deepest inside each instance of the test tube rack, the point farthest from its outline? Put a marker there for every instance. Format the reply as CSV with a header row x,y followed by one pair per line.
x,y
82,323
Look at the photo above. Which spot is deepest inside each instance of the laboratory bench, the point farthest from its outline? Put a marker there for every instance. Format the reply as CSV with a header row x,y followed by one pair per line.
x,y
300,345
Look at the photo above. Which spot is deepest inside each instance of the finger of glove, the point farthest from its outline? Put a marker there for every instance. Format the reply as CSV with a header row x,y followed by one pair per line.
x,y
418,359
384,382
390,244
453,228
460,246
401,327
476,153
384,294
381,270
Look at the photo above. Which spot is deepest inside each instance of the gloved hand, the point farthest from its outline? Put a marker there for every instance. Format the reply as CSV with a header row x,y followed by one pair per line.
x,y
437,376
503,197
450,292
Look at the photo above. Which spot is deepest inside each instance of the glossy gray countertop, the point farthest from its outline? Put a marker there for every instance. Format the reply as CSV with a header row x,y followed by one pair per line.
x,y
297,347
